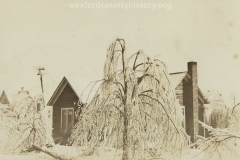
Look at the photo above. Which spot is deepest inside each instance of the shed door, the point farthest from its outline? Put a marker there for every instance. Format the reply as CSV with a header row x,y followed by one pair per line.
x,y
67,120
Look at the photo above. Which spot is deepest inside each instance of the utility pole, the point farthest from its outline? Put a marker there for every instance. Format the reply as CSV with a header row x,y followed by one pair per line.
x,y
40,73
36,109
41,80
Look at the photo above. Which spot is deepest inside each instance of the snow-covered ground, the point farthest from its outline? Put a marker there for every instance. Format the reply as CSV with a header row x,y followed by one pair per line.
x,y
102,154
67,151
27,156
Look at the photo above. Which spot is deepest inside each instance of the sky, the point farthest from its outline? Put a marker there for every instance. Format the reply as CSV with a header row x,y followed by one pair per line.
x,y
73,41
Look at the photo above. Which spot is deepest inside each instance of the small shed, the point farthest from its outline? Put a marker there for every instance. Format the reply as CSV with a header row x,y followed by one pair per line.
x,y
64,102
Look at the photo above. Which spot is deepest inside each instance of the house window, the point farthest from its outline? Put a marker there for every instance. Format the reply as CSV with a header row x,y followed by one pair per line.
x,y
184,117
67,120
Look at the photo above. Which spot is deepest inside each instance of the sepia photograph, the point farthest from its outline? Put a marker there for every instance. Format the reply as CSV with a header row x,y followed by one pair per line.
x,y
119,80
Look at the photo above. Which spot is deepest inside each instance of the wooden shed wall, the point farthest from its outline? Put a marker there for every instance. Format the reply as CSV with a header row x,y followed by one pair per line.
x,y
65,100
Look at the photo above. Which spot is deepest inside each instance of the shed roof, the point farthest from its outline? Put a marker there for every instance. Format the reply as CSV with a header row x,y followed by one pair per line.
x,y
80,86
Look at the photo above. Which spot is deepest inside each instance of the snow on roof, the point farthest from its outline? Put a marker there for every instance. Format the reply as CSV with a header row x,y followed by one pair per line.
x,y
83,87
176,78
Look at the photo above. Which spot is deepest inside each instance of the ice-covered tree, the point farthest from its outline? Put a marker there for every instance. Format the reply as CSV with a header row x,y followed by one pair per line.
x,y
26,124
133,109
224,139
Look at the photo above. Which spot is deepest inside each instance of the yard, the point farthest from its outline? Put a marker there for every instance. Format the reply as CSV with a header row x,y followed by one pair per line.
x,y
103,154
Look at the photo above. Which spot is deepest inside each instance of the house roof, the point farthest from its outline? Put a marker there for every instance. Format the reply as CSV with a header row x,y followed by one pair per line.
x,y
176,79
80,86
4,98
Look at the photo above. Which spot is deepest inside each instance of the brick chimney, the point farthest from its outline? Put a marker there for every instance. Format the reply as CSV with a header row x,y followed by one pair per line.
x,y
192,71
